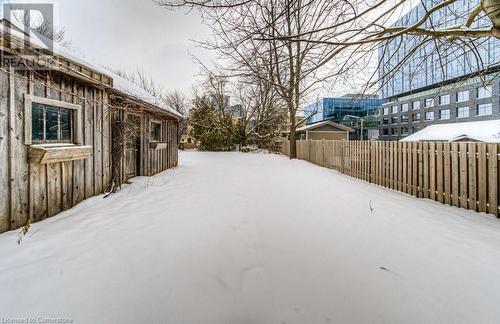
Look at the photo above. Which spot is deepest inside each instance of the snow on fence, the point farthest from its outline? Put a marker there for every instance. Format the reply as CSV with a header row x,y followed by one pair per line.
x,y
462,174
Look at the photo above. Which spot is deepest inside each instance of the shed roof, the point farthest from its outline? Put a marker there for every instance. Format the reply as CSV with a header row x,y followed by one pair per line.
x,y
324,123
482,131
119,83
131,89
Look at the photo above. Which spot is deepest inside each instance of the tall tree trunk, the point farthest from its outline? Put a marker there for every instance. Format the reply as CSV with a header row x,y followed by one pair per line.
x,y
293,138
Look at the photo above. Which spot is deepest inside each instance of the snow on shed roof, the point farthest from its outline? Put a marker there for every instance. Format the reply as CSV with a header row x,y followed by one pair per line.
x,y
483,131
129,88
119,83
326,122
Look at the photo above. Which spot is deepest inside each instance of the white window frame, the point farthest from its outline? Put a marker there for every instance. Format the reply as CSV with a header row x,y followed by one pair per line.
x,y
487,89
468,112
447,100
458,95
76,116
485,104
441,116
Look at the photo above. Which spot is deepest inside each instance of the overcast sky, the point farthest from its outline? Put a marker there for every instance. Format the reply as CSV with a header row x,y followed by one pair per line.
x,y
135,34
132,35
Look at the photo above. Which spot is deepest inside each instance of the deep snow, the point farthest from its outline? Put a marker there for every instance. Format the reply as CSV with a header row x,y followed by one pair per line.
x,y
252,238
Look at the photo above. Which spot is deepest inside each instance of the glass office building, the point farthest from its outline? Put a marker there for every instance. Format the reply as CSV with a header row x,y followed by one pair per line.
x,y
426,81
335,109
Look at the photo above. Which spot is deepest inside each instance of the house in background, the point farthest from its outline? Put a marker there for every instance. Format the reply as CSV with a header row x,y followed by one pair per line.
x,y
187,142
65,130
482,131
325,130
348,110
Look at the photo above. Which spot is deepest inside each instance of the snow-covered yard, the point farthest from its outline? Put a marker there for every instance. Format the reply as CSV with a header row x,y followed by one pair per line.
x,y
253,239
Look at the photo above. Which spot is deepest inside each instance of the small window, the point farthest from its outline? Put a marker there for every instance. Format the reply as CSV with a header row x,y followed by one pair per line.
x,y
394,131
484,109
416,105
404,130
51,124
404,119
394,109
416,117
404,107
444,114
155,132
483,92
386,111
394,120
429,115
385,131
385,121
462,96
462,112
429,102
444,100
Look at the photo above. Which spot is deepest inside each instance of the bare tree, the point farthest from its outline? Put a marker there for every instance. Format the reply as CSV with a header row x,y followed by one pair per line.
x,y
179,102
260,110
452,29
253,38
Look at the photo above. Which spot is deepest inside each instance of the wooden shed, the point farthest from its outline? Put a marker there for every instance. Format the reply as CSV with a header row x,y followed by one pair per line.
x,y
56,136
325,130
144,132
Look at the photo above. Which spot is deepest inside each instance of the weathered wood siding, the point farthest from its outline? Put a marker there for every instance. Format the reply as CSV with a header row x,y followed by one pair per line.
x,y
152,161
43,190
159,160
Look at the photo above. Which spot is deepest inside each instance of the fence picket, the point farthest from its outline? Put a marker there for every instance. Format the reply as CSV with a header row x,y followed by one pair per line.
x,y
439,172
463,175
426,169
472,176
432,171
493,178
405,169
455,175
482,183
447,173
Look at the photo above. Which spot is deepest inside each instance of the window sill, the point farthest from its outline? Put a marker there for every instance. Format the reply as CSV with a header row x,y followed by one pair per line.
x,y
53,153
157,145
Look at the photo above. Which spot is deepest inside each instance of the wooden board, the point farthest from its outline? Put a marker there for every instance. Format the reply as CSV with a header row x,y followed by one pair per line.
x,y
44,155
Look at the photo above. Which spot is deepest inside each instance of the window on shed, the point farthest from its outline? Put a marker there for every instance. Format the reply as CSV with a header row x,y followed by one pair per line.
x,y
51,124
155,131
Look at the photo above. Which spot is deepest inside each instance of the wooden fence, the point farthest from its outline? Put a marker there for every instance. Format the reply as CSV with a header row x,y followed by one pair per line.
x,y
462,174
